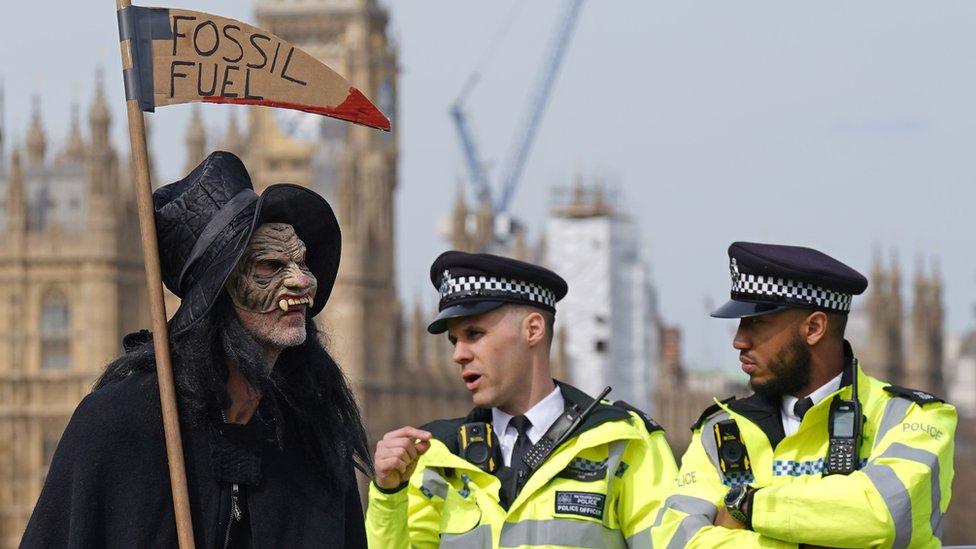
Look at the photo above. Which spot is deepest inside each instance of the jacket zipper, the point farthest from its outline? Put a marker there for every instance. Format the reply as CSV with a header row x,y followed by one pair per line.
x,y
235,513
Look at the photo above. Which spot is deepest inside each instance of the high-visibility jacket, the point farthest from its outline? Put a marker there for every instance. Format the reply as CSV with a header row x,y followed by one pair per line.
x,y
601,488
896,499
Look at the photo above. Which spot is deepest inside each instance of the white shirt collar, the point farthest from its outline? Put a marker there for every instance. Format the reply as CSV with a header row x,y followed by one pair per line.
x,y
821,393
542,415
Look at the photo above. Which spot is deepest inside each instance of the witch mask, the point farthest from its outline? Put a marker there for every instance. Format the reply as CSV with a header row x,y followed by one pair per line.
x,y
272,272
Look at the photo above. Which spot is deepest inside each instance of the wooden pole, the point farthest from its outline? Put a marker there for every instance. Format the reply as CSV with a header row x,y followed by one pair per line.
x,y
157,310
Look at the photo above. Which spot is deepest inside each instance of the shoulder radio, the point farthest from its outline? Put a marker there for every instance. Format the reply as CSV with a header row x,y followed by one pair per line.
x,y
844,425
561,430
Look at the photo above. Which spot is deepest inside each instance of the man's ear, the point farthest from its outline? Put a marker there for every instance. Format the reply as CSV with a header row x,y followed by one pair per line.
x,y
534,328
814,327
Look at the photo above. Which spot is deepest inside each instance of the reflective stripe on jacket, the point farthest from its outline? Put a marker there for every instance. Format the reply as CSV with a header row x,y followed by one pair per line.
x,y
601,488
897,498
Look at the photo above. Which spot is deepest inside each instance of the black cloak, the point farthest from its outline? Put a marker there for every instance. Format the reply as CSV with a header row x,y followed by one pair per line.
x,y
108,484
290,471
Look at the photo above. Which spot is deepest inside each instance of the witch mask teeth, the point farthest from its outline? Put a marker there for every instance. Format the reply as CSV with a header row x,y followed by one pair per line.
x,y
287,303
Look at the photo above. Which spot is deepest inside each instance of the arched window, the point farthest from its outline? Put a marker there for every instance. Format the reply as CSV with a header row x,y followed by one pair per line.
x,y
55,331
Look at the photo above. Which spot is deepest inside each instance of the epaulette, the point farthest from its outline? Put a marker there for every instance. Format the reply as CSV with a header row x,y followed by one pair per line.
x,y
445,430
709,412
919,397
649,423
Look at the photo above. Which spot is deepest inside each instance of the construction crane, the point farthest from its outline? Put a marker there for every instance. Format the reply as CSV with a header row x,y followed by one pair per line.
x,y
525,134
476,169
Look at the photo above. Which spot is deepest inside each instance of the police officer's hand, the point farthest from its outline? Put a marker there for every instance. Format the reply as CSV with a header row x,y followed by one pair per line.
x,y
397,454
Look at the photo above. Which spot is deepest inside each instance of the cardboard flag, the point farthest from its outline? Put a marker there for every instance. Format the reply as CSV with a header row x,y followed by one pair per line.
x,y
180,56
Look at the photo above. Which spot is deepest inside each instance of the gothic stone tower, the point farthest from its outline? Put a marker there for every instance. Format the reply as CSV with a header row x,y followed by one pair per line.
x,y
884,355
905,349
71,284
353,166
923,370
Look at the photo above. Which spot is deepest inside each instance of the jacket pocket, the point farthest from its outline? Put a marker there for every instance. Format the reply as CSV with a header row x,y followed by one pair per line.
x,y
460,515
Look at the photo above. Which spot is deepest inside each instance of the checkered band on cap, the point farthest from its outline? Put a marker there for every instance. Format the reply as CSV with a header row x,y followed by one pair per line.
x,y
454,288
789,291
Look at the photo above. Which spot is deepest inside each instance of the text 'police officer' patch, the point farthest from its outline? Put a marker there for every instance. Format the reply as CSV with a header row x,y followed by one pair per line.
x,y
584,504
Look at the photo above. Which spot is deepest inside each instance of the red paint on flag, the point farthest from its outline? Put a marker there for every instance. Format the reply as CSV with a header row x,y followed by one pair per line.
x,y
355,108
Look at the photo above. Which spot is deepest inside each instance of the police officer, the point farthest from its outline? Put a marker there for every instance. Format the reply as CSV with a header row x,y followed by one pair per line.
x,y
821,454
537,462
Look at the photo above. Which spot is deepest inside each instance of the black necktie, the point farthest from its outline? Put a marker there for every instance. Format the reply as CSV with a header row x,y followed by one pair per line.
x,y
522,444
801,406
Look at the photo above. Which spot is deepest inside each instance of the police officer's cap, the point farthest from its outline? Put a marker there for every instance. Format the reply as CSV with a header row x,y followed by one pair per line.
x,y
473,284
767,278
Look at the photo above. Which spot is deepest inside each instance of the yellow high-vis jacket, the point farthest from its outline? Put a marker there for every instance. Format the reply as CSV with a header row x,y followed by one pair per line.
x,y
601,488
896,499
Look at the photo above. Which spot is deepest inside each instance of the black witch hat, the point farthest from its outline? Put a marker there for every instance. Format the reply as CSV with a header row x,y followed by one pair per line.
x,y
205,221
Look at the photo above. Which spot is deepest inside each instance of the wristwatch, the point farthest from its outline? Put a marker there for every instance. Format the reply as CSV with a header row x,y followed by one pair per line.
x,y
738,502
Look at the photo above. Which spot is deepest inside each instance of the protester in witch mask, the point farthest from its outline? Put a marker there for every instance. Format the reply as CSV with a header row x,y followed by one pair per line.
x,y
270,430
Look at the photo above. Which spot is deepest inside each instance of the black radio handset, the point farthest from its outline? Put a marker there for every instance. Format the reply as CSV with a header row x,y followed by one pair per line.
x,y
844,424
561,430
515,477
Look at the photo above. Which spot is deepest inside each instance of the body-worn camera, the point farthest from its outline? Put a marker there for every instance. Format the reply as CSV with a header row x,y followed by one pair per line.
x,y
732,453
476,445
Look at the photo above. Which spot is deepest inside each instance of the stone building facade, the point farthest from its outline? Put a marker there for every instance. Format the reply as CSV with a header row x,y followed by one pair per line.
x,y
904,345
71,284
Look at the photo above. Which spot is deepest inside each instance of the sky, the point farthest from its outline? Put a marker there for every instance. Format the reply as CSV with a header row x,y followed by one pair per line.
x,y
848,127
